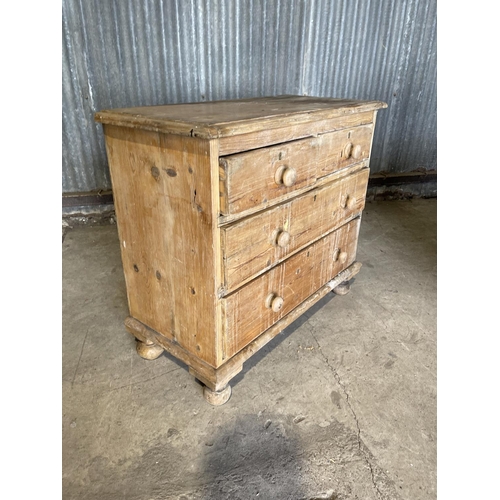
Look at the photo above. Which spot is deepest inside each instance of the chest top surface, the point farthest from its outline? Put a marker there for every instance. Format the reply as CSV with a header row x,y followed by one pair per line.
x,y
217,119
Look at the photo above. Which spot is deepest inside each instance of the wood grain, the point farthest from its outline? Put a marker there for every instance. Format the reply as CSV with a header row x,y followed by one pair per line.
x,y
234,217
219,119
234,365
163,188
246,314
224,220
202,370
217,378
250,246
249,179
291,131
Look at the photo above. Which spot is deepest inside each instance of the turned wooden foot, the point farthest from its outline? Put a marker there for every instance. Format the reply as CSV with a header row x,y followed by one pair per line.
x,y
148,351
342,289
217,398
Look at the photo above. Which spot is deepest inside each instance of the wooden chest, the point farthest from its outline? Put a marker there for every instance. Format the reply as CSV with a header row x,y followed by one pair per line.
x,y
234,217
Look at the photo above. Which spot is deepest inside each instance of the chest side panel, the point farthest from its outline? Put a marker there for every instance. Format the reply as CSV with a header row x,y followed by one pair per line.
x,y
162,187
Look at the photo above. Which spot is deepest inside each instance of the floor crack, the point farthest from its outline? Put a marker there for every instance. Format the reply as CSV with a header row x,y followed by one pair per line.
x,y
80,357
351,409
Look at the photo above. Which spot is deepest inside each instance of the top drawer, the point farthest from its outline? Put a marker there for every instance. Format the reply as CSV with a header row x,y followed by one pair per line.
x,y
267,176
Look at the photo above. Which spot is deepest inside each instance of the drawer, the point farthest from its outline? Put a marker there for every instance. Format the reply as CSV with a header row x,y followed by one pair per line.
x,y
266,176
257,243
255,307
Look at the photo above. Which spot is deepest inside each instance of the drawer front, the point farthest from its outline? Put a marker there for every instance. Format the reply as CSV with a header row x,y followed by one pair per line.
x,y
255,307
257,243
256,178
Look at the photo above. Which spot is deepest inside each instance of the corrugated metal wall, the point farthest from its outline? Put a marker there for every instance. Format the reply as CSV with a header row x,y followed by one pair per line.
x,y
131,53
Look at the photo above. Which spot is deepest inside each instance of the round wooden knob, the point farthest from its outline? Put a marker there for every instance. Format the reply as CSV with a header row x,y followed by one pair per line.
x,y
348,201
347,150
283,239
356,152
274,302
338,255
277,304
286,176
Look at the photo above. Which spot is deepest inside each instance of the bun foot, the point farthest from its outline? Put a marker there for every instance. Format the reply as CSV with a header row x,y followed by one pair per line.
x,y
148,351
217,398
342,289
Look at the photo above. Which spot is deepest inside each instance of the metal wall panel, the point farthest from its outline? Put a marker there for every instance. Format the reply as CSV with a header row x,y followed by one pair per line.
x,y
120,53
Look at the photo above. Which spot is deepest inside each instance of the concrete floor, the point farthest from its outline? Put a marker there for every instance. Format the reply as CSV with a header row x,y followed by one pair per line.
x,y
341,405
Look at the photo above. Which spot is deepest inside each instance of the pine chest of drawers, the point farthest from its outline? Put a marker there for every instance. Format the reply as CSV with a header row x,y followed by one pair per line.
x,y
234,217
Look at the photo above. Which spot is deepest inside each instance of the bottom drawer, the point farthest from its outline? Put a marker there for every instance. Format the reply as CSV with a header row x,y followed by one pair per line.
x,y
255,307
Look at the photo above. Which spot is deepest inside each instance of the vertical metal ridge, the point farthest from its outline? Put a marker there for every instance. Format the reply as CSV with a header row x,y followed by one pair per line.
x,y
120,54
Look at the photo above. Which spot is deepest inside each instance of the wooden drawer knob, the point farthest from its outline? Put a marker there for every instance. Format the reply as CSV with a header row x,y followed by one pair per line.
x,y
346,153
356,152
274,302
283,239
338,255
352,150
286,176
348,201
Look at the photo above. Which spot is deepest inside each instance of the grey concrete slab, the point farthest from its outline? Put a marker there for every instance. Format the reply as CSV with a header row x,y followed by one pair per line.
x,y
341,405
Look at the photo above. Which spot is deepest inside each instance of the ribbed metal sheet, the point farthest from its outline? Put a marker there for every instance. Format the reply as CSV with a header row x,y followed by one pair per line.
x,y
126,53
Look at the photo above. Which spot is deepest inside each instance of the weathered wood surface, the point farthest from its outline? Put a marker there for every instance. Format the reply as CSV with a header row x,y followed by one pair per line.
x,y
254,178
219,119
290,132
210,376
225,372
234,218
163,188
247,311
148,351
255,244
217,398
218,378
225,220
